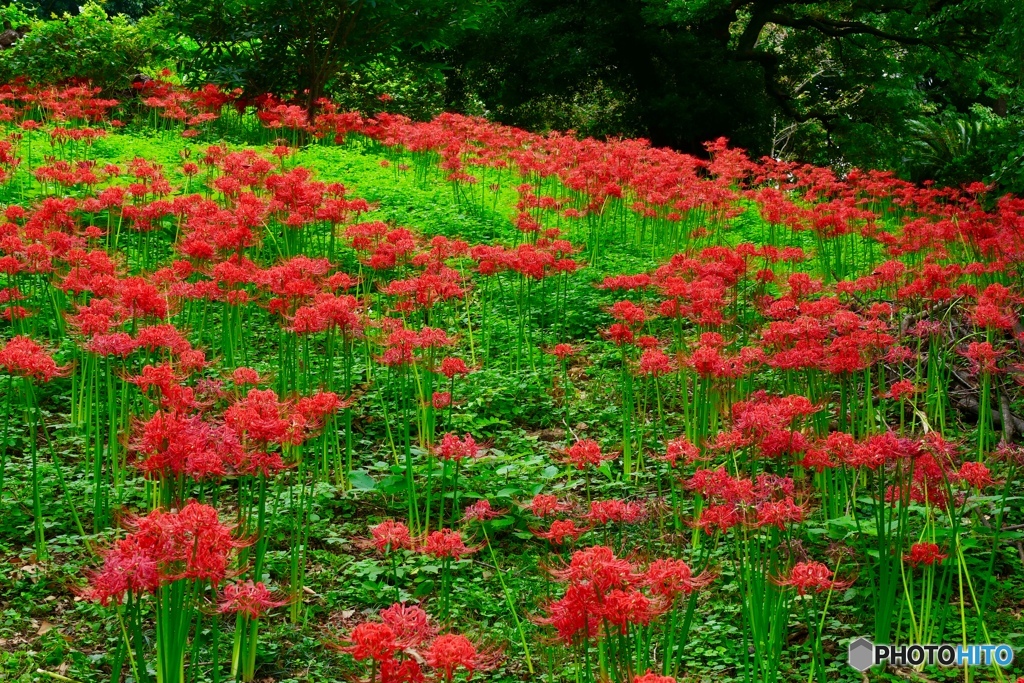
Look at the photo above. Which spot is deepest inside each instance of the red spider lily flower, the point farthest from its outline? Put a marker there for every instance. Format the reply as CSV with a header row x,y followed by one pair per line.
x,y
127,568
118,344
100,316
410,624
879,450
779,513
433,338
450,367
925,554
563,351
762,415
817,459
902,390
598,567
983,357
576,613
23,357
994,308
976,474
12,313
628,313
404,670
654,363
399,348
164,547
202,543
545,505
728,441
585,453
260,416
446,543
372,640
681,447
481,511
718,517
441,399
651,677
899,354
626,282
604,511
142,299
161,377
670,578
245,377
647,342
315,408
259,463
427,289
718,485
769,486
619,334
156,337
251,599
391,535
454,448
341,281
450,652
172,444
560,530
622,607
329,312
808,576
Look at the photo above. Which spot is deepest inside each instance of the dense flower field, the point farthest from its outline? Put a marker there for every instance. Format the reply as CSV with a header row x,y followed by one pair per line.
x,y
365,398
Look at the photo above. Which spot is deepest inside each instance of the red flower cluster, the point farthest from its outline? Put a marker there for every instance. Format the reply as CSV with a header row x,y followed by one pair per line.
x,y
924,554
403,641
587,453
605,589
390,535
187,544
446,543
454,448
812,576
23,357
248,598
766,501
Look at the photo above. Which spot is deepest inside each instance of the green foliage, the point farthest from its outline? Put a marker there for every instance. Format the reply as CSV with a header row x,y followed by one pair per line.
x,y
605,67
305,46
16,14
413,88
46,9
90,46
929,88
827,82
952,149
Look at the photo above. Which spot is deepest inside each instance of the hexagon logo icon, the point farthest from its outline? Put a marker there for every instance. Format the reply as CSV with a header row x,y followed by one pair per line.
x,y
862,654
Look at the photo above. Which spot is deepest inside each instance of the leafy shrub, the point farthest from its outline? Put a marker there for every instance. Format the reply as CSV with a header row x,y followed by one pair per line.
x,y
408,87
89,46
957,149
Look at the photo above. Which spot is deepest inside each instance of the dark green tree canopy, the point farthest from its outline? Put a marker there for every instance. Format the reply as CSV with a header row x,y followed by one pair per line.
x,y
928,87
603,67
301,46
844,65
828,81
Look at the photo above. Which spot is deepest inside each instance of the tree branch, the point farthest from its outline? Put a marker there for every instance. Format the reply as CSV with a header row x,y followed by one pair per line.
x,y
841,29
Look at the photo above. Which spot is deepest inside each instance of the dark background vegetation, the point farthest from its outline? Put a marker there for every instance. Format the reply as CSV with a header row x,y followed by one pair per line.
x,y
928,88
